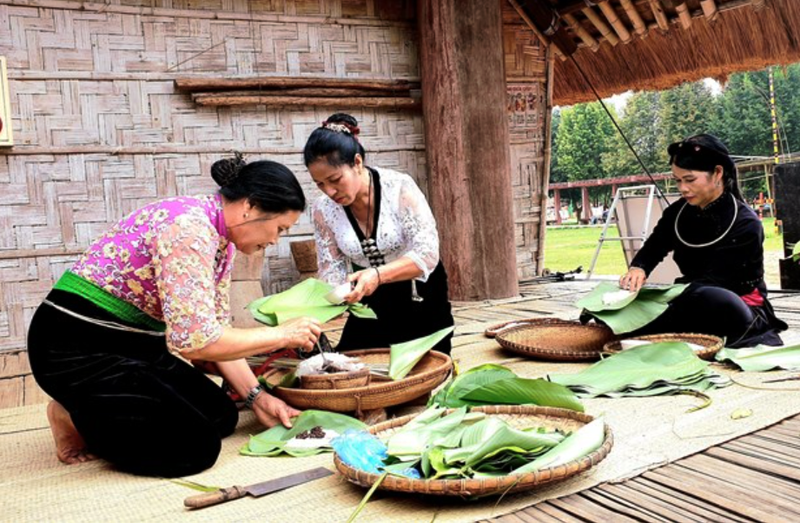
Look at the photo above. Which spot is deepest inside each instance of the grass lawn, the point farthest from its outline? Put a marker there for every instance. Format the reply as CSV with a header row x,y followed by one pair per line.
x,y
567,248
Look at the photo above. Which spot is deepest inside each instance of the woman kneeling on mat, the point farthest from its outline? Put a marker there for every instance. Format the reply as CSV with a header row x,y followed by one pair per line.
x,y
374,228
717,241
102,343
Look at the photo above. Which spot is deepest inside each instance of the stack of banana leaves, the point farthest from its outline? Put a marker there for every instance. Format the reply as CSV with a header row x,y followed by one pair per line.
x,y
647,370
462,444
624,311
762,358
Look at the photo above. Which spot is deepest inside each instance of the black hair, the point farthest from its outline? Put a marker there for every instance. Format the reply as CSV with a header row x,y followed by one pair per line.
x,y
336,141
269,186
703,152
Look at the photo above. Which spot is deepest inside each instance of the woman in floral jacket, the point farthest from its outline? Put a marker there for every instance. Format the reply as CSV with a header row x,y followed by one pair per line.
x,y
105,342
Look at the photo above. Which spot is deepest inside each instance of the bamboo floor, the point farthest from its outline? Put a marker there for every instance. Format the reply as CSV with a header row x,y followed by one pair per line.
x,y
752,478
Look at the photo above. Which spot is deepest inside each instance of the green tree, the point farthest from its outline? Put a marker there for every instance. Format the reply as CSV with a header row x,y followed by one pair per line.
x,y
684,111
556,174
641,123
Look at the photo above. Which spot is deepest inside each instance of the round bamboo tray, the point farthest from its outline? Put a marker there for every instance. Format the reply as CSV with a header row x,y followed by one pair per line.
x,y
494,330
556,340
336,380
710,344
519,416
426,375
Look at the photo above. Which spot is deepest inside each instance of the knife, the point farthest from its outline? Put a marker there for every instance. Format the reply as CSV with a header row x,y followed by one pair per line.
x,y
256,489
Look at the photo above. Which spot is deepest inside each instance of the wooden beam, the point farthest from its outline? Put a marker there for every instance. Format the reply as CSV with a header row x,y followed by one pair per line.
x,y
466,139
616,23
633,15
548,151
683,15
659,15
544,39
709,9
584,35
223,99
600,182
274,82
601,26
312,92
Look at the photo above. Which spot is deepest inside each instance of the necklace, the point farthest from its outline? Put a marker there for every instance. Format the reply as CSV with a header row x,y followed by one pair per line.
x,y
368,245
700,245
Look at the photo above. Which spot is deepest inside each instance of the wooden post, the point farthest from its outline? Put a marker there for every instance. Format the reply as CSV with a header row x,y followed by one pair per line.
x,y
548,151
467,144
613,190
586,205
557,205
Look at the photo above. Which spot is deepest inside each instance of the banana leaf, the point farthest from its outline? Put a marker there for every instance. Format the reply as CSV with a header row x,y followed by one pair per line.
x,y
795,256
272,442
492,384
424,431
580,443
762,357
633,312
461,385
404,356
307,298
643,370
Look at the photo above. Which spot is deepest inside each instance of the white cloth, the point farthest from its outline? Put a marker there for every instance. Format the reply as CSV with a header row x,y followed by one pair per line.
x,y
406,227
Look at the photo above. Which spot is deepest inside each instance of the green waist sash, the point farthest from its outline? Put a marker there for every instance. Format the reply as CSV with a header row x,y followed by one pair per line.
x,y
127,312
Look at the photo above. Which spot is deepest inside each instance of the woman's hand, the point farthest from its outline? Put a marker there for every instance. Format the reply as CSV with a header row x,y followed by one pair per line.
x,y
270,411
633,280
300,333
364,284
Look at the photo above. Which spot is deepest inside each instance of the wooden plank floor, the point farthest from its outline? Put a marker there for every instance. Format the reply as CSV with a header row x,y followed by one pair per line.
x,y
752,478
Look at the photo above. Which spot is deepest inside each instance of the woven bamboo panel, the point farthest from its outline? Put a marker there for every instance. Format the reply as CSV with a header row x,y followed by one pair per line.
x,y
525,66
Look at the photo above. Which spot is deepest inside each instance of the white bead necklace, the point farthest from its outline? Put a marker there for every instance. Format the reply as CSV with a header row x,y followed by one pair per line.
x,y
700,245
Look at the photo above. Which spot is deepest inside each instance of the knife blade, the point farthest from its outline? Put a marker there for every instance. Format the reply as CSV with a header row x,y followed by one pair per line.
x,y
256,490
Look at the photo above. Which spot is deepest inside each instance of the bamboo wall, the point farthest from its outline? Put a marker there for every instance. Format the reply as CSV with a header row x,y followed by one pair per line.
x,y
525,81
100,129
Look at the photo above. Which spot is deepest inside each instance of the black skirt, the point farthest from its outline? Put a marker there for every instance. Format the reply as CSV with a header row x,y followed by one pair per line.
x,y
400,317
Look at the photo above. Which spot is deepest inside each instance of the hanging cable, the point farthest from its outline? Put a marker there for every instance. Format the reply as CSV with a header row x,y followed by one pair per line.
x,y
619,129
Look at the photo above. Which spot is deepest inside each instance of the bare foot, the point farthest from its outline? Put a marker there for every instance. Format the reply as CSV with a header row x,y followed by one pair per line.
x,y
70,447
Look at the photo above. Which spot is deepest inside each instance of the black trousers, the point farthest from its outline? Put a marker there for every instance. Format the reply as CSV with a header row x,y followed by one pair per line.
x,y
135,404
400,318
707,309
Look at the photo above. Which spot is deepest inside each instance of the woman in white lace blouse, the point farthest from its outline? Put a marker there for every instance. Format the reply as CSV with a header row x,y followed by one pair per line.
x,y
374,228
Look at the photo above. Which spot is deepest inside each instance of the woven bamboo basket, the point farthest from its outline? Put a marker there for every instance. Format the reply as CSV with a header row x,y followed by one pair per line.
x,y
710,344
336,380
519,416
426,375
494,330
556,340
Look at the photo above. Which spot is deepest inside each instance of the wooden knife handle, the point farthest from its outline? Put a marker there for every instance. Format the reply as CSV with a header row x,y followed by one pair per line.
x,y
213,498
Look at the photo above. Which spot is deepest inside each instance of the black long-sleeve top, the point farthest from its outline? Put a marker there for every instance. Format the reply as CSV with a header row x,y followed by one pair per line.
x,y
736,262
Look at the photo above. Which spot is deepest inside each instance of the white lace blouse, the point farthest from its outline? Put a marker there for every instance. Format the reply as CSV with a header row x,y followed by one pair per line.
x,y
406,227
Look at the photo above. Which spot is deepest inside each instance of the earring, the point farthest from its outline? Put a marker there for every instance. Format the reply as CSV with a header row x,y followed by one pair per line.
x,y
248,214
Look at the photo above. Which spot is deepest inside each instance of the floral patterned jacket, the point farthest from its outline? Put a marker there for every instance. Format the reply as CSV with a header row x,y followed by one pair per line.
x,y
171,259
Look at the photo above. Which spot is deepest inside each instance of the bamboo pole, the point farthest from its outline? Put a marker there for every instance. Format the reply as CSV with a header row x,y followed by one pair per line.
x,y
683,15
544,39
730,6
659,15
616,23
275,82
709,9
638,24
309,92
758,5
601,26
217,99
548,140
584,35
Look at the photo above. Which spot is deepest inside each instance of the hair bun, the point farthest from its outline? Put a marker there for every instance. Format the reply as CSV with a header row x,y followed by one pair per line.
x,y
226,170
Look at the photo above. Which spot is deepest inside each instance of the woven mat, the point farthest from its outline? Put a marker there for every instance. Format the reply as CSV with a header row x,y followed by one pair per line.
x,y
648,432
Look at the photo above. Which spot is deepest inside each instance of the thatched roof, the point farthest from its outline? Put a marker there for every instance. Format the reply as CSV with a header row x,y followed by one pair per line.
x,y
673,41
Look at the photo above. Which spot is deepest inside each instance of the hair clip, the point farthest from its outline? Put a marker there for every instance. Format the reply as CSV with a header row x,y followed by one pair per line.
x,y
336,127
